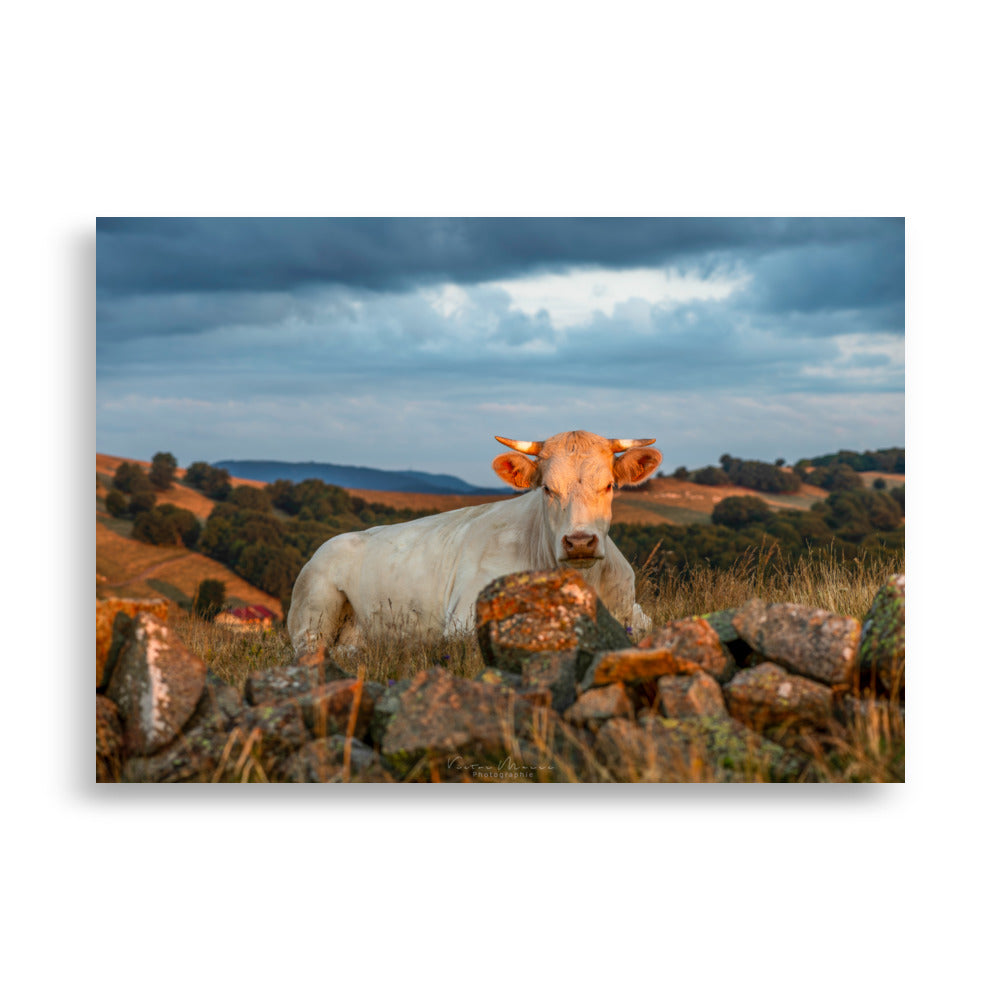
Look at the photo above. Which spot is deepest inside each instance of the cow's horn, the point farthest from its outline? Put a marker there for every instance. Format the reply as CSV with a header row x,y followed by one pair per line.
x,y
623,444
525,447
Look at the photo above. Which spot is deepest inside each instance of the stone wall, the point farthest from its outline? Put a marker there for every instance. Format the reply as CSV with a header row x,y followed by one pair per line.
x,y
744,694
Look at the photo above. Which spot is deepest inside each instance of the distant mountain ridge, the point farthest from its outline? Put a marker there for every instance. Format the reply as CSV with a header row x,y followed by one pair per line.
x,y
353,477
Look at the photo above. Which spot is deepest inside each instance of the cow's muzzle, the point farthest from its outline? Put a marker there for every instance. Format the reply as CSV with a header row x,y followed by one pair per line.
x,y
580,547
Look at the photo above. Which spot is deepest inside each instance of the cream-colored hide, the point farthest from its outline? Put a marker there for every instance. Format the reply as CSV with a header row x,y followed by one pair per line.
x,y
422,578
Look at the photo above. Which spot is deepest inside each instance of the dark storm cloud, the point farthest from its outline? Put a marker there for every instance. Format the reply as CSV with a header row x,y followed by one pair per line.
x,y
143,256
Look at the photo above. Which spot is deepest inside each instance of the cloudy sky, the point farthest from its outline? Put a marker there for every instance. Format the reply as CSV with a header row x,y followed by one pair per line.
x,y
409,343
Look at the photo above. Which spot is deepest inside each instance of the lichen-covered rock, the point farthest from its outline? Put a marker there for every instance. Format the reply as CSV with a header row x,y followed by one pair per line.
x,y
696,640
525,613
111,637
808,641
269,687
598,705
156,684
690,694
340,706
277,730
634,666
387,705
693,749
883,640
767,697
201,754
333,758
218,707
109,741
440,716
553,672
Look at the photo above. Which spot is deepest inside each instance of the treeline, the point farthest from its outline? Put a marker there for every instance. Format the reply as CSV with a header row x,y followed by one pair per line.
x,y
768,477
263,535
837,471
883,460
843,526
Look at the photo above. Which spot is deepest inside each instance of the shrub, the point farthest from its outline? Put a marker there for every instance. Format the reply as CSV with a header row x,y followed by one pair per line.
x,y
142,500
210,598
735,512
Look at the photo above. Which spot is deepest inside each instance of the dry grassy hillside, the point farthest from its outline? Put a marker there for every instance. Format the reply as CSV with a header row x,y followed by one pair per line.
x,y
127,568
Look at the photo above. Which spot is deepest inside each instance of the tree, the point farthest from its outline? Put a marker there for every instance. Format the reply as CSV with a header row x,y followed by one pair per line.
x,y
142,500
129,478
879,484
116,504
681,473
210,598
217,483
161,475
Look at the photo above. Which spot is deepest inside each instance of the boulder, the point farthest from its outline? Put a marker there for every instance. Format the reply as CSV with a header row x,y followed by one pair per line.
x,y
340,706
550,610
218,707
114,615
808,641
694,749
767,698
269,687
109,741
696,640
635,666
201,754
883,641
278,730
446,725
598,705
690,694
552,673
327,759
156,684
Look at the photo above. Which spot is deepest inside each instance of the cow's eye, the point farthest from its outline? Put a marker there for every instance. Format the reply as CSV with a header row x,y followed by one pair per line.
x,y
547,491
609,487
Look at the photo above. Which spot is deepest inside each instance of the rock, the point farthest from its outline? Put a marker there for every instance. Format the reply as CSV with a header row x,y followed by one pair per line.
x,y
694,639
386,706
807,641
156,684
200,755
551,610
883,641
552,672
328,710
694,749
444,725
278,730
110,639
269,687
691,694
110,743
218,707
635,666
598,705
767,698
326,760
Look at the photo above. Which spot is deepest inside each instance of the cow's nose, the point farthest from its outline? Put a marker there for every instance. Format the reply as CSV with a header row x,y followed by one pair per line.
x,y
580,545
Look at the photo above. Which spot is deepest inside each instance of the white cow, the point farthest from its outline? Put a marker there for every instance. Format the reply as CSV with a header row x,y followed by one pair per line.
x,y
423,577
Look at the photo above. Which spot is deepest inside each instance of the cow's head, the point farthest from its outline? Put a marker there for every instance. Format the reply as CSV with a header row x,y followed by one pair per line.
x,y
577,473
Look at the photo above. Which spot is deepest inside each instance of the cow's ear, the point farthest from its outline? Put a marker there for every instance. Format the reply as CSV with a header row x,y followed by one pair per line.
x,y
517,469
636,465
